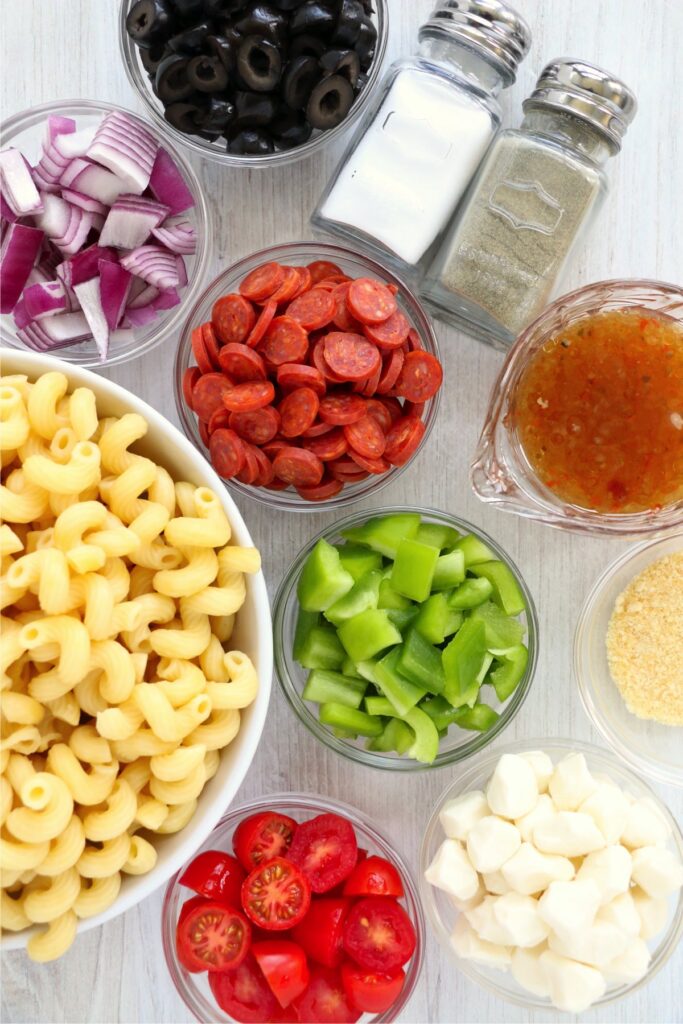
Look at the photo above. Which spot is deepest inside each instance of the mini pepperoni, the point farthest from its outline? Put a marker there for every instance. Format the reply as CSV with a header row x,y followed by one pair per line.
x,y
289,287
347,471
305,281
318,429
285,342
366,437
266,473
414,409
298,467
322,268
260,284
227,453
403,440
376,466
190,378
249,472
327,488
318,359
273,447
248,397
372,383
374,407
203,432
394,406
370,301
276,485
262,324
330,446
211,344
351,356
391,368
232,318
219,418
420,378
313,309
298,411
342,317
199,351
391,333
241,362
342,409
257,427
298,375
208,392
414,340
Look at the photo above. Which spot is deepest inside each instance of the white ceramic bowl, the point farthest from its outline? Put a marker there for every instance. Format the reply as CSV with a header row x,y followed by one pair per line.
x,y
253,631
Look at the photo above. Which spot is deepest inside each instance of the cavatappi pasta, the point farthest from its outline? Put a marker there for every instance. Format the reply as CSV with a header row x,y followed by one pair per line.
x,y
118,688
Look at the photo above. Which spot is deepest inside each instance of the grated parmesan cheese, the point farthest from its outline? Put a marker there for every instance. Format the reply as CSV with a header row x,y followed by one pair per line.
x,y
645,642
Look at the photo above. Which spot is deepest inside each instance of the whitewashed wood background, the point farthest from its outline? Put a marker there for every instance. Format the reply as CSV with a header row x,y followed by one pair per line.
x,y
55,49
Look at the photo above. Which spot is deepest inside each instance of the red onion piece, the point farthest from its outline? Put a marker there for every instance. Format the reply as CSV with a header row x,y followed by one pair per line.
x,y
57,125
178,235
115,285
130,221
45,299
88,294
126,148
86,177
86,203
17,185
153,264
168,185
20,246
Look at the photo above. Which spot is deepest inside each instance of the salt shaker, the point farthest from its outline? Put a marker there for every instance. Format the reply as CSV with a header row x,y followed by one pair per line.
x,y
421,141
535,191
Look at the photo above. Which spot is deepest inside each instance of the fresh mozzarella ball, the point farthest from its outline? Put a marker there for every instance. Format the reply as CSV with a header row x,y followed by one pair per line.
x,y
473,901
571,783
645,825
467,944
596,945
529,871
573,986
520,918
657,871
485,923
527,970
630,965
542,766
610,868
451,871
491,842
544,809
609,808
569,833
496,883
570,906
458,816
652,914
622,912
512,790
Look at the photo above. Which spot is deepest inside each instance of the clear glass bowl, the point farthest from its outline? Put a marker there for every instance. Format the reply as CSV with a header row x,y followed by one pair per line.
x,y
458,744
652,748
298,254
442,914
194,989
500,472
25,131
216,151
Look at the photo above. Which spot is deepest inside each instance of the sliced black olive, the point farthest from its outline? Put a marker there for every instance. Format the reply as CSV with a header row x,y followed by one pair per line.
x,y
314,17
214,8
306,46
207,74
186,117
228,31
191,40
171,82
366,43
329,102
287,5
253,109
259,64
290,128
188,10
152,58
263,20
250,142
349,22
298,81
220,47
218,115
342,62
148,21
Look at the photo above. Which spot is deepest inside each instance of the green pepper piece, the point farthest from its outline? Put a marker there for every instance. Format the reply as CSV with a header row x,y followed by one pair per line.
x,y
414,569
362,596
323,687
323,579
449,571
485,666
432,618
384,533
437,535
304,624
426,745
471,593
396,736
462,663
474,550
507,676
349,668
321,649
502,631
390,598
403,694
441,712
341,717
367,670
420,663
454,620
402,618
368,633
358,560
379,706
344,734
506,590
479,718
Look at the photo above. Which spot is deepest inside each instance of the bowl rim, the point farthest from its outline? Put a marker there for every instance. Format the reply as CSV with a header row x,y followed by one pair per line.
x,y
317,803
585,679
480,741
138,887
27,118
557,745
203,148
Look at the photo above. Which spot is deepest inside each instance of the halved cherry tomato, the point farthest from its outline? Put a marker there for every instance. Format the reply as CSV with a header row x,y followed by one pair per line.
x,y
261,837
369,991
284,967
188,906
378,934
212,937
215,875
275,896
325,1001
321,932
325,849
244,994
374,877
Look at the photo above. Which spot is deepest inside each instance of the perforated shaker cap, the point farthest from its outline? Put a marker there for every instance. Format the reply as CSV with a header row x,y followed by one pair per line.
x,y
487,25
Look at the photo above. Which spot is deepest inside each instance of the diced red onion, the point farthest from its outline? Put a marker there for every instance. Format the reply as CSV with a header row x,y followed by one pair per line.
x,y
85,264
168,185
56,216
126,148
92,180
139,317
130,221
56,331
6,211
88,294
115,285
76,233
140,297
153,264
45,299
18,188
182,271
20,246
86,203
178,235
71,146
20,316
57,125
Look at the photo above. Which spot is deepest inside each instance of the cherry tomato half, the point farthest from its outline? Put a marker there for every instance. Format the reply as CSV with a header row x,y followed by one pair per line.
x,y
378,934
212,937
374,876
325,849
215,875
284,967
325,1001
262,836
244,994
276,895
369,991
321,932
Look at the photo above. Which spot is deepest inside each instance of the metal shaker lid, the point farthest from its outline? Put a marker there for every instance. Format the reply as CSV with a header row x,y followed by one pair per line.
x,y
491,26
587,92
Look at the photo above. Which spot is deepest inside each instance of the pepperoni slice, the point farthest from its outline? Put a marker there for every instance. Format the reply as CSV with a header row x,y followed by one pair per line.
x,y
266,473
203,432
262,324
342,317
276,485
227,453
372,382
285,342
313,309
298,467
330,446
379,411
249,472
241,362
298,375
208,392
370,301
394,406
376,466
347,471
341,409
327,488
322,268
298,411
350,356
305,281
273,447
261,282
199,351
366,437
391,368
391,333
420,378
257,427
232,318
289,287
219,418
414,340
211,344
414,409
318,359
248,397
403,439
190,378
318,429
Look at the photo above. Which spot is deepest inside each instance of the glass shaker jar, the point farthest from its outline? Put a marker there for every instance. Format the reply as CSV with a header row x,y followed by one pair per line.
x,y
421,141
537,188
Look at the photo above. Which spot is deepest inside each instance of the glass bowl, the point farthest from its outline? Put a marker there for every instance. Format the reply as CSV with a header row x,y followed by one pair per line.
x,y
442,914
652,748
298,254
458,744
203,147
25,131
194,989
500,471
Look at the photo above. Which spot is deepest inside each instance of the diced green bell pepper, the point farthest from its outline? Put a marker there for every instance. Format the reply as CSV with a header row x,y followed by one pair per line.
x,y
323,579
349,668
480,718
506,677
359,560
390,598
449,571
323,687
341,717
414,569
363,595
384,533
474,550
403,694
471,593
437,535
485,666
454,620
304,624
502,632
506,590
344,734
402,618
441,712
396,736
368,633
432,618
462,663
420,663
321,648
379,706
367,670
426,744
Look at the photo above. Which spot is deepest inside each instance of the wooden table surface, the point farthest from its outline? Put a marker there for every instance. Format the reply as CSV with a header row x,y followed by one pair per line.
x,y
55,49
